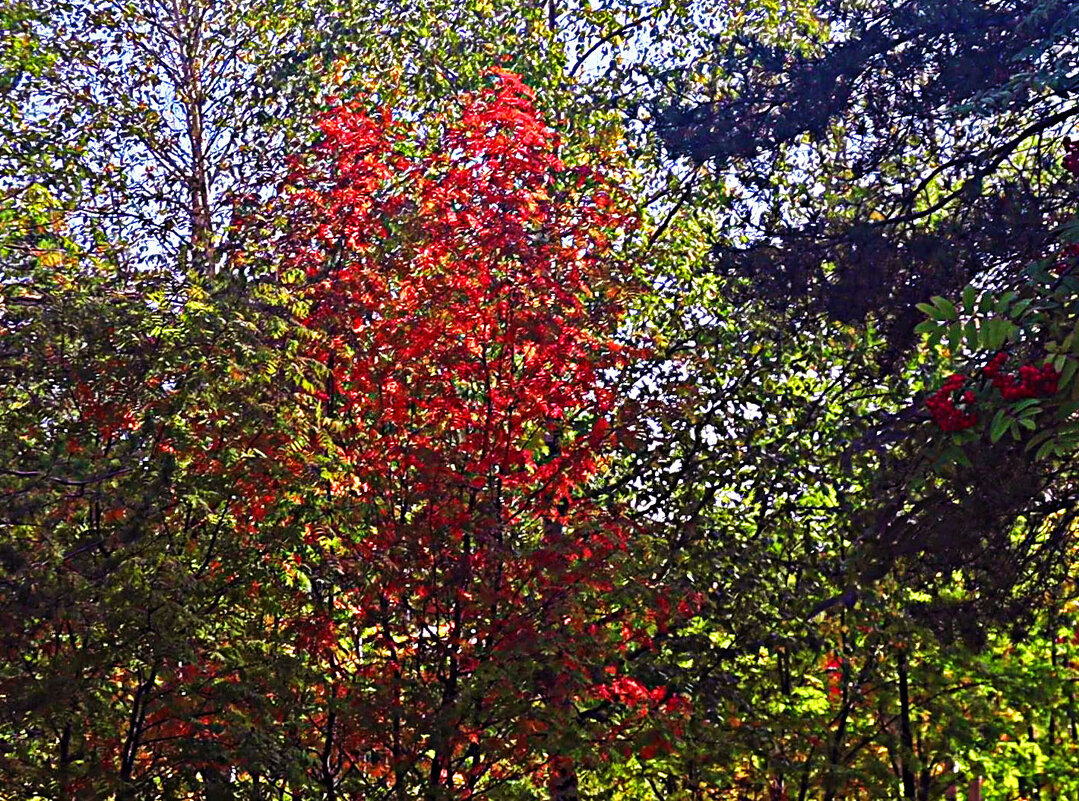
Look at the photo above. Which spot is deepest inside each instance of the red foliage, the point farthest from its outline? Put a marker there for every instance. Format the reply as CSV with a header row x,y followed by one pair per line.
x,y
463,296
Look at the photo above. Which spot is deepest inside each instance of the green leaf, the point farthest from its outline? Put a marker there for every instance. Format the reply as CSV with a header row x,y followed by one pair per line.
x,y
944,308
927,327
1039,438
955,336
1046,449
1025,404
970,334
1017,310
999,426
970,297
1005,301
1067,373
995,331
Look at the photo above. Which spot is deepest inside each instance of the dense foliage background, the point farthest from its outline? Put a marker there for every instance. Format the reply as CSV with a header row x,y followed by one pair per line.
x,y
633,400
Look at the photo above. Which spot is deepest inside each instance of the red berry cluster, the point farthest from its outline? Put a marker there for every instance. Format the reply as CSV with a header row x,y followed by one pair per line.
x,y
1071,156
1030,382
941,405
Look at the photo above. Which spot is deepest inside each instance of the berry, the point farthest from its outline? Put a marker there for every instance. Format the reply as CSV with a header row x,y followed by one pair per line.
x,y
942,408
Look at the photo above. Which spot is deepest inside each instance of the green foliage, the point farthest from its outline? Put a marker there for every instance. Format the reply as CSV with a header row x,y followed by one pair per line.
x,y
843,203
132,420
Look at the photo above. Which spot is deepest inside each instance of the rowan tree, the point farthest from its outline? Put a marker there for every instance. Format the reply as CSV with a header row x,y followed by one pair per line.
x,y
469,606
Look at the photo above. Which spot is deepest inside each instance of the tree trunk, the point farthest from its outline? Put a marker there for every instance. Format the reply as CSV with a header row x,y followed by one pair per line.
x,y
563,785
65,761
193,99
906,736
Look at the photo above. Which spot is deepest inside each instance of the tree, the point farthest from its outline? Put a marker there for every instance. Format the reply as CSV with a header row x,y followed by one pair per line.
x,y
154,121
792,416
445,474
137,427
467,604
893,132
891,153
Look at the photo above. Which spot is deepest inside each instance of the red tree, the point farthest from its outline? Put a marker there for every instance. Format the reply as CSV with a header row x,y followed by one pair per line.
x,y
465,603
